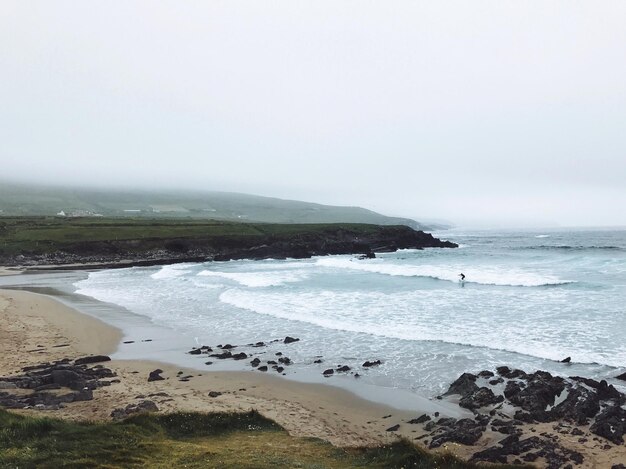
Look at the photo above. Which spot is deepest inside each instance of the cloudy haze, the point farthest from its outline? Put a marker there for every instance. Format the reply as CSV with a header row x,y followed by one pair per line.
x,y
503,112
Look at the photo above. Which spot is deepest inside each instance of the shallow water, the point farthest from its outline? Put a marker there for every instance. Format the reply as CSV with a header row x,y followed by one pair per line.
x,y
529,300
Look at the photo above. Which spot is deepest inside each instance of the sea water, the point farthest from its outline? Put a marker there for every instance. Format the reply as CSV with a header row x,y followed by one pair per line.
x,y
529,300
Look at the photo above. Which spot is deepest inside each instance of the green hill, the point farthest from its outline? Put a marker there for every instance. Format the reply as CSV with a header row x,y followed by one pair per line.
x,y
36,200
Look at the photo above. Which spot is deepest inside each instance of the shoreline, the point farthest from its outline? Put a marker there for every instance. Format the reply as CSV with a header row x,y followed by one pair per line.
x,y
35,328
29,320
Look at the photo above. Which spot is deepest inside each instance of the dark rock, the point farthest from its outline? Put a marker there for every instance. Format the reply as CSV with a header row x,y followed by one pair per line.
x,y
343,369
512,389
368,363
506,372
195,351
394,428
156,375
464,385
208,363
92,359
280,369
256,362
485,374
240,356
464,431
604,390
328,372
618,466
67,378
493,382
610,423
421,419
222,356
579,405
566,360
480,398
227,347
319,360
622,377
541,390
272,362
289,340
284,360
262,368
214,393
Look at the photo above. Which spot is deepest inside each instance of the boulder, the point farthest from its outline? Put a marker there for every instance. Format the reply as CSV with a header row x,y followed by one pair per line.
x,y
465,385
421,419
156,375
611,424
289,340
480,398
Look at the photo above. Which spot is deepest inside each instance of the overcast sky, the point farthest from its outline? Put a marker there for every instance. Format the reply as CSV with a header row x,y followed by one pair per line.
x,y
502,112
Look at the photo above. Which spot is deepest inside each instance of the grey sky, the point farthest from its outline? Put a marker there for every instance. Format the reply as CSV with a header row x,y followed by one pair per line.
x,y
510,112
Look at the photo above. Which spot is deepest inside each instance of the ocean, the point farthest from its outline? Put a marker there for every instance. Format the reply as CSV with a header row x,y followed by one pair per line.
x,y
529,300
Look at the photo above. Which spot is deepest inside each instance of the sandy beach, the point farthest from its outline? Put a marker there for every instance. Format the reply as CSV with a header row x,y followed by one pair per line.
x,y
36,328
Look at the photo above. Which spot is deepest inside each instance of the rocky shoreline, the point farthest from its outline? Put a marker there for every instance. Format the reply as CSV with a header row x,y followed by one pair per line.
x,y
114,253
519,417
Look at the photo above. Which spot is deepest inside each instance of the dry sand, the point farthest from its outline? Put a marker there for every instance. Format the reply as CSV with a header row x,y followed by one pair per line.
x,y
35,329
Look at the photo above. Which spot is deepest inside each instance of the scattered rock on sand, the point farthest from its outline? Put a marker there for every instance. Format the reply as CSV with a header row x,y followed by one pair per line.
x,y
394,428
92,359
156,375
421,419
214,393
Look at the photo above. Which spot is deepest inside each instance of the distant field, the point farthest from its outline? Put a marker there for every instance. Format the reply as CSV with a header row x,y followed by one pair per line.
x,y
36,200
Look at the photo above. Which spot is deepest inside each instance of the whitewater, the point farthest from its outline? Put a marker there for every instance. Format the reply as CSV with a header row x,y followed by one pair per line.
x,y
530,299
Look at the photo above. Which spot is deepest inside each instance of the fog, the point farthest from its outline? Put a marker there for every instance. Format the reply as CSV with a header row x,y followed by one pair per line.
x,y
508,113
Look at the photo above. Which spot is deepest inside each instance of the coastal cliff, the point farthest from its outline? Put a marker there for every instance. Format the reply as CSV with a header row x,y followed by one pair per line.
x,y
123,242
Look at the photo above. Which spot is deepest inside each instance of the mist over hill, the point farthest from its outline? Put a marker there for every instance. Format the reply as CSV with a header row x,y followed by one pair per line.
x,y
17,199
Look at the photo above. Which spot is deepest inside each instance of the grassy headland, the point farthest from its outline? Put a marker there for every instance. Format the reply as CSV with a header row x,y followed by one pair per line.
x,y
62,240
237,440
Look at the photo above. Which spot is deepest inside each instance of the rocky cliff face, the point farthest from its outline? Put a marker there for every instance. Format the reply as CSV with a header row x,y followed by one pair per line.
x,y
149,251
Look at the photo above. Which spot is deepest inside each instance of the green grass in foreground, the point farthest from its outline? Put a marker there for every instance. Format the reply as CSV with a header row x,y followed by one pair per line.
x,y
224,440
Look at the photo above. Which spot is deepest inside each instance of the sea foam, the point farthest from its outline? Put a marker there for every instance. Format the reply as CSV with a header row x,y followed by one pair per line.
x,y
481,274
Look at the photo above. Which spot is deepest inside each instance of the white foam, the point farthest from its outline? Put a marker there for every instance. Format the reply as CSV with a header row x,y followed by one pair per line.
x,y
542,236
259,279
486,275
417,316
170,271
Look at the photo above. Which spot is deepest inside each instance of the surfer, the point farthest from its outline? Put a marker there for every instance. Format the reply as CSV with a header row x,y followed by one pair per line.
x,y
462,277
